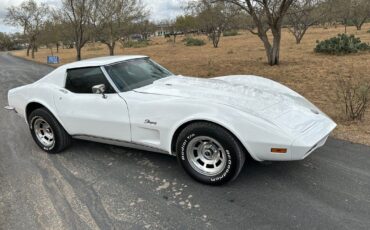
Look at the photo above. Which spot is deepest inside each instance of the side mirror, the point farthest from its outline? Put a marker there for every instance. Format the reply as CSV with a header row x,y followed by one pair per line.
x,y
99,89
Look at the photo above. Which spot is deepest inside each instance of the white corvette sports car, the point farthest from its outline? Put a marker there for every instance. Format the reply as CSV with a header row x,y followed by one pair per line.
x,y
210,124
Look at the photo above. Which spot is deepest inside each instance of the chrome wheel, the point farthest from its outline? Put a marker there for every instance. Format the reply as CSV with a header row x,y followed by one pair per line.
x,y
206,155
43,132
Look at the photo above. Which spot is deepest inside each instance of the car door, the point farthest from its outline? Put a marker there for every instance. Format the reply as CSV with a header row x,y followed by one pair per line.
x,y
84,113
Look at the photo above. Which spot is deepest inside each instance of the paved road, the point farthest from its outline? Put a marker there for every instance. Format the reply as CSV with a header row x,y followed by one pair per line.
x,y
100,186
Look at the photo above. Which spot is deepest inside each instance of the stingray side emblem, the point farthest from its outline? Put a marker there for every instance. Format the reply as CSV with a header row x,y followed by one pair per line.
x,y
149,122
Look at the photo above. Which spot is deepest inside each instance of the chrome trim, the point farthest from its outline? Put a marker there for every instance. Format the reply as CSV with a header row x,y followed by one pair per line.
x,y
119,143
43,132
127,60
10,108
114,63
109,79
99,89
204,151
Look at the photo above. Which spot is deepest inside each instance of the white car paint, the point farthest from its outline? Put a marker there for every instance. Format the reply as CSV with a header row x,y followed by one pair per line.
x,y
261,113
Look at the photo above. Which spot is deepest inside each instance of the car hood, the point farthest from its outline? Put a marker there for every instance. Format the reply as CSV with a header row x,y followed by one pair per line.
x,y
258,96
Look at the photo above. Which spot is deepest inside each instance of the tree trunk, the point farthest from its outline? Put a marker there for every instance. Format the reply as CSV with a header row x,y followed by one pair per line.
x,y
28,49
298,40
275,55
57,45
93,41
111,48
361,23
78,49
299,37
272,52
267,45
216,38
33,51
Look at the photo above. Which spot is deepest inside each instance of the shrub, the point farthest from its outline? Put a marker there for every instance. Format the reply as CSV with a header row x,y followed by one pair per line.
x,y
353,97
368,31
136,44
230,33
342,44
193,41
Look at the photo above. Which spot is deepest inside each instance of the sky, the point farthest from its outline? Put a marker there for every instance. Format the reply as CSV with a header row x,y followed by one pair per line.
x,y
160,10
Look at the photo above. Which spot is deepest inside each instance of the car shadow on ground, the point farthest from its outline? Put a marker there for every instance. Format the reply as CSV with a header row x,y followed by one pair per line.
x,y
168,167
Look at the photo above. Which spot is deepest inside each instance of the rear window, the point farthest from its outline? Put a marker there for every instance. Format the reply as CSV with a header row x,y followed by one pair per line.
x,y
83,79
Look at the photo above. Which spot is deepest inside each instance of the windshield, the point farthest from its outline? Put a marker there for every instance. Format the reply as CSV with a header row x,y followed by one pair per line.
x,y
136,73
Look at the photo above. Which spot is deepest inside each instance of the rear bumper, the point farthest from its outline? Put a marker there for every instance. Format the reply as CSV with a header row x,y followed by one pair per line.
x,y
13,109
312,139
10,108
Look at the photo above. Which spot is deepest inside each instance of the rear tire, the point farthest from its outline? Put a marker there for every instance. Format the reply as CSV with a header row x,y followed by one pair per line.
x,y
46,131
209,153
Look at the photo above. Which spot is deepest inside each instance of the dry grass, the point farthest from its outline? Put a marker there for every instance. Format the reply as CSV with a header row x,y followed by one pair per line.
x,y
310,74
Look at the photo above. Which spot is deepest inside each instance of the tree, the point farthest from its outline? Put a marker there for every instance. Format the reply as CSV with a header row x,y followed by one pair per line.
x,y
213,17
186,23
144,28
267,15
349,12
30,16
302,15
76,13
6,42
67,36
341,10
171,29
360,13
51,34
114,16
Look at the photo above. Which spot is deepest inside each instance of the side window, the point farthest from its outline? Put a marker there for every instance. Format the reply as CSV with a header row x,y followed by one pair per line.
x,y
83,79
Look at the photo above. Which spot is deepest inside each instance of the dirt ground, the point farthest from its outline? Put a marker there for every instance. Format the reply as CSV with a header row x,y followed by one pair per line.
x,y
312,75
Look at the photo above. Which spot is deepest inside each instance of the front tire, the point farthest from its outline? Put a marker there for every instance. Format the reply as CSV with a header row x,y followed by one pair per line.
x,y
46,131
209,153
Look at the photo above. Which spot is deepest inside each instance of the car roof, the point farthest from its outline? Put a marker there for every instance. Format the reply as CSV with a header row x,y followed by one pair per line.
x,y
101,61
